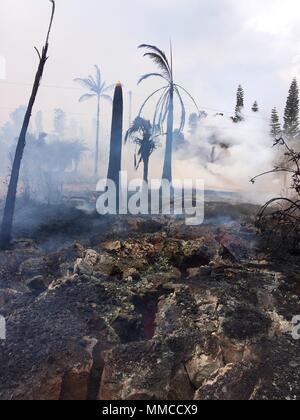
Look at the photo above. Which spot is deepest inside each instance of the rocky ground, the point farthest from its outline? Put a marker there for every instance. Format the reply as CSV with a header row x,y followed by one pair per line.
x,y
152,309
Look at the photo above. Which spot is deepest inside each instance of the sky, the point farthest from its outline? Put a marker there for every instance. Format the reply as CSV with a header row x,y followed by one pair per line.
x,y
217,45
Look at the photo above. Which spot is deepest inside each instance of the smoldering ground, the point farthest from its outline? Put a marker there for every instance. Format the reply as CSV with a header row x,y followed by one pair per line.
x,y
225,155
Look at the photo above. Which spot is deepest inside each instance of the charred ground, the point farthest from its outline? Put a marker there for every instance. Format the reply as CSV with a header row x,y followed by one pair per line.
x,y
148,308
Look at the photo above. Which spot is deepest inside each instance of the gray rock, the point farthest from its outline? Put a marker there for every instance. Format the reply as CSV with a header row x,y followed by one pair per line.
x,y
82,267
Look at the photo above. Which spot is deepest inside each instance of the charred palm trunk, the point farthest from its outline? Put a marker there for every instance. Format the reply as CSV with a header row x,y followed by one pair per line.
x,y
115,156
97,154
146,169
167,171
26,182
7,223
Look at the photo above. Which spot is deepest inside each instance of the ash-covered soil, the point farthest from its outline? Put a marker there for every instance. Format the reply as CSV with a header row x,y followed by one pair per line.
x,y
138,308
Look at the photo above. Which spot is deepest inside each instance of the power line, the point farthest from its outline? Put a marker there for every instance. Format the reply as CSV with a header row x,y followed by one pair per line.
x,y
204,108
42,86
52,110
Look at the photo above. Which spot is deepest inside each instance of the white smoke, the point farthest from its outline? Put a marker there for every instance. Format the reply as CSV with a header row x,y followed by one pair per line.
x,y
225,155
228,155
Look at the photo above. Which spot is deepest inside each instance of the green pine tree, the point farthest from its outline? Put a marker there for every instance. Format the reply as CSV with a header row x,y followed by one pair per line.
x,y
275,124
239,105
291,114
255,107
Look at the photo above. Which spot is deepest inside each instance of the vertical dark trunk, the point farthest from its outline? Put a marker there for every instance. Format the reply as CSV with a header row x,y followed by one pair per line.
x,y
26,182
115,156
8,216
146,168
167,171
96,172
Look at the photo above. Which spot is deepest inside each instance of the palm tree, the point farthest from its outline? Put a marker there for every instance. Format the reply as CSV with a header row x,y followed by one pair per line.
x,y
143,134
97,89
164,110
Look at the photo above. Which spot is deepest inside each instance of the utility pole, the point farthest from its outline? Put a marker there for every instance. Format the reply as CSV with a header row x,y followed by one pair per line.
x,y
130,107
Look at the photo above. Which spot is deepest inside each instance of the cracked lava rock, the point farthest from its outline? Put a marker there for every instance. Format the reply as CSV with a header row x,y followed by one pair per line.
x,y
167,312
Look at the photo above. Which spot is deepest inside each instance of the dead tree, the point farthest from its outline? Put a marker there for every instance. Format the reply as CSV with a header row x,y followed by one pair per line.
x,y
8,216
115,154
279,218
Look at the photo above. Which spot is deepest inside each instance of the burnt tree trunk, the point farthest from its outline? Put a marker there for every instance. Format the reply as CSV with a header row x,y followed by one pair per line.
x,y
115,156
8,216
146,169
97,153
167,170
